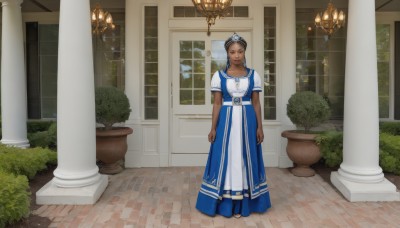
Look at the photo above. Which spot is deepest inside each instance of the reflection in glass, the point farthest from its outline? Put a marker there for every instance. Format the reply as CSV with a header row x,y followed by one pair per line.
x,y
199,81
185,97
186,80
199,97
192,69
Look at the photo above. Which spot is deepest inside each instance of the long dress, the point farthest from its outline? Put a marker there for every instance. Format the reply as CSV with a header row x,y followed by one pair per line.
x,y
234,180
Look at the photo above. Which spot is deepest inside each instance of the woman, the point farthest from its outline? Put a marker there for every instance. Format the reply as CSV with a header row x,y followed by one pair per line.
x,y
234,181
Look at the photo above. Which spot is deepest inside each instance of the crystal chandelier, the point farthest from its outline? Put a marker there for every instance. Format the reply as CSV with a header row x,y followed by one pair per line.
x,y
331,20
101,20
211,9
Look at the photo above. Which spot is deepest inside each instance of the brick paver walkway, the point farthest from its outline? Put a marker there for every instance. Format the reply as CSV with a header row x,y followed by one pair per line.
x,y
166,197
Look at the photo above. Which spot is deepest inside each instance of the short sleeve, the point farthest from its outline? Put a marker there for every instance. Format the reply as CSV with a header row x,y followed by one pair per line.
x,y
215,82
257,82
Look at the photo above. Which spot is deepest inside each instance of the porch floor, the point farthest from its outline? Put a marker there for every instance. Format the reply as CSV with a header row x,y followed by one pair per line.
x,y
166,197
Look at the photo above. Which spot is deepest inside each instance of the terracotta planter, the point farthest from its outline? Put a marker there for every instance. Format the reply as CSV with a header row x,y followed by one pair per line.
x,y
303,151
111,147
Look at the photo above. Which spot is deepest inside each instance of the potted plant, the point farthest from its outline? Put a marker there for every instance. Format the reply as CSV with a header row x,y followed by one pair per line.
x,y
112,106
306,110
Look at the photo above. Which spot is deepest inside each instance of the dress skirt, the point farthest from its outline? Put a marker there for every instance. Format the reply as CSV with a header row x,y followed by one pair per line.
x,y
234,180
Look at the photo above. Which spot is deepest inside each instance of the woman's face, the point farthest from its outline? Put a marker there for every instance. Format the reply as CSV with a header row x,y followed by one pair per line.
x,y
236,54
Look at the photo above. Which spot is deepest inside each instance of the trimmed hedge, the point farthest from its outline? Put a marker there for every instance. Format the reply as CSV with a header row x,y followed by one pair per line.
x,y
14,198
41,133
16,166
389,156
331,146
46,138
25,161
392,128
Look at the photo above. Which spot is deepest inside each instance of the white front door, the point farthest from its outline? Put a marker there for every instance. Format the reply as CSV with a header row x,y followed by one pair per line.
x,y
195,58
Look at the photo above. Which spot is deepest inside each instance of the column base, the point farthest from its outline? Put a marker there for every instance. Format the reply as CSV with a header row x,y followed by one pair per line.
x,y
373,192
17,143
51,194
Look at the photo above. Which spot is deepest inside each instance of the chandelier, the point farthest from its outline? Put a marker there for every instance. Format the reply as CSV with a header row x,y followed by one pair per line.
x,y
101,20
331,20
211,9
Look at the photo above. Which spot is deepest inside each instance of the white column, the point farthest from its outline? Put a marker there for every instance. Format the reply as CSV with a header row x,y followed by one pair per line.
x,y
13,79
360,178
76,179
286,43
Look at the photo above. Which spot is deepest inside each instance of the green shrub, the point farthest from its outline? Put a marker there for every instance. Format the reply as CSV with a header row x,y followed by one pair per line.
x,y
387,162
38,125
389,157
14,198
44,139
331,146
307,109
392,128
25,161
34,127
112,106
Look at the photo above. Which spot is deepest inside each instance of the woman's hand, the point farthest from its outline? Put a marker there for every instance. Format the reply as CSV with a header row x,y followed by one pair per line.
x,y
260,135
212,135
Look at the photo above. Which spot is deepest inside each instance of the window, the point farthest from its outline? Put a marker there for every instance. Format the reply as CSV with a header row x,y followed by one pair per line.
x,y
383,51
151,63
109,54
48,57
320,62
269,63
192,73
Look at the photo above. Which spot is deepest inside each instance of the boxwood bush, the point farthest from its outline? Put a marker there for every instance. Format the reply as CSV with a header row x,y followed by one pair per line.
x,y
46,138
389,157
392,128
41,133
25,161
331,146
14,198
16,166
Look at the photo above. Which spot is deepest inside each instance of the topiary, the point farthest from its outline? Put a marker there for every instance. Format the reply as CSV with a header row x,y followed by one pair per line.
x,y
307,109
112,106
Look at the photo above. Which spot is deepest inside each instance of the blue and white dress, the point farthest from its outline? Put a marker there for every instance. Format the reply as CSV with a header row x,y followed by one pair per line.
x,y
234,180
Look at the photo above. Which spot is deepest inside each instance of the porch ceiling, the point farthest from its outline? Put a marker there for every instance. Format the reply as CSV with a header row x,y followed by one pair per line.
x,y
111,5
54,5
380,5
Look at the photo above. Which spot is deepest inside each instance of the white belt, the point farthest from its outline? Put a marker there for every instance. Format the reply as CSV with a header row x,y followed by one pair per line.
x,y
230,103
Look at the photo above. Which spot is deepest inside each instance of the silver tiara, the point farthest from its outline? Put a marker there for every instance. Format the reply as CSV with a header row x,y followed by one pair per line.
x,y
235,38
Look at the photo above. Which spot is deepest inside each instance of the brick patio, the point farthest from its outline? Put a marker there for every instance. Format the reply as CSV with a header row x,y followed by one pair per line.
x,y
166,197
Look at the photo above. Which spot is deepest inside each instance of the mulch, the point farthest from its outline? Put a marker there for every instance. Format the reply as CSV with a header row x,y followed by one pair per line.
x,y
45,176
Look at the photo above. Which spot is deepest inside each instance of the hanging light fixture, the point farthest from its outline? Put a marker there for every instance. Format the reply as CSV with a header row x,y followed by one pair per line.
x,y
330,20
211,9
101,20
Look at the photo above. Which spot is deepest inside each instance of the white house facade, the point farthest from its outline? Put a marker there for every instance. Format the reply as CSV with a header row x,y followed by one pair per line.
x,y
161,56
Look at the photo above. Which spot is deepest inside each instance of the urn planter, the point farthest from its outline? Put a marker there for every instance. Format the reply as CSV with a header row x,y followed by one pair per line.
x,y
303,151
111,147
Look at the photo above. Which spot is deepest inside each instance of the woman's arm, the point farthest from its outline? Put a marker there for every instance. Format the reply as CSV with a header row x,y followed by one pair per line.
x,y
215,114
255,98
